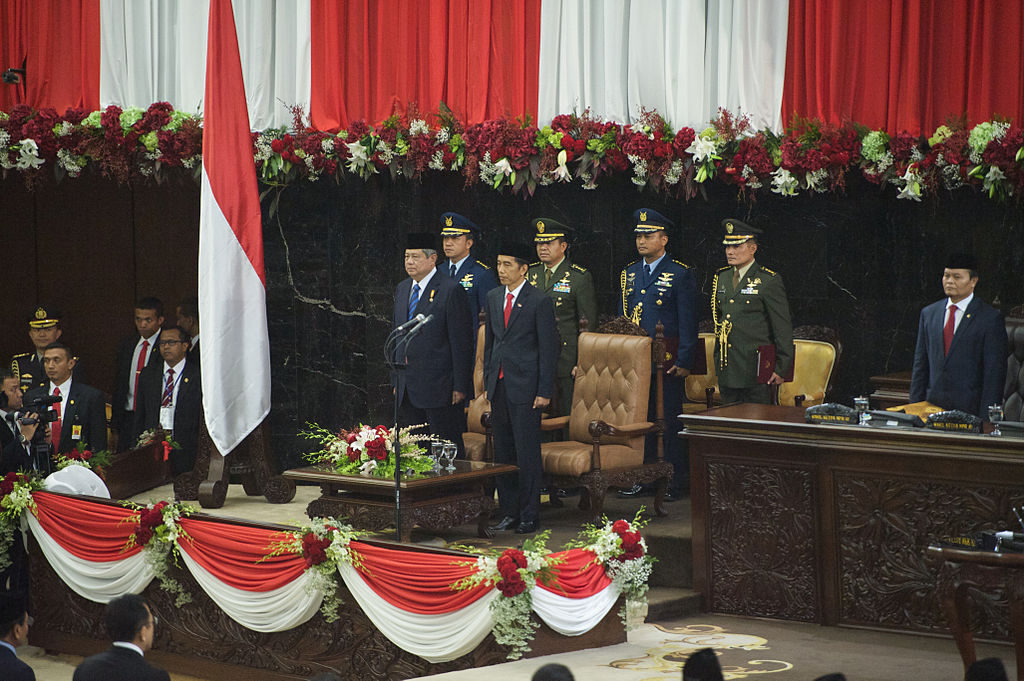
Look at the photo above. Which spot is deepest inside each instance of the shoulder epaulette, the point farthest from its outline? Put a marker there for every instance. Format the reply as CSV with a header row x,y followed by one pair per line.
x,y
727,267
482,265
680,263
534,264
23,354
578,268
628,265
765,269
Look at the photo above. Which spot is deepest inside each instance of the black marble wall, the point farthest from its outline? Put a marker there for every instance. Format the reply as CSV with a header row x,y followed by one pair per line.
x,y
863,263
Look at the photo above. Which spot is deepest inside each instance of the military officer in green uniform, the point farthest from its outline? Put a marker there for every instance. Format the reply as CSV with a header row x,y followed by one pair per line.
x,y
750,310
571,289
44,327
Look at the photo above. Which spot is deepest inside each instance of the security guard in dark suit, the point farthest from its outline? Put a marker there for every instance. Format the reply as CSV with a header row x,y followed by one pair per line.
x,y
44,327
476,278
655,289
571,289
750,310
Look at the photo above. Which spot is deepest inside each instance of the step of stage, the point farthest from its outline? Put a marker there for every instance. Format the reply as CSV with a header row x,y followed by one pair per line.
x,y
665,603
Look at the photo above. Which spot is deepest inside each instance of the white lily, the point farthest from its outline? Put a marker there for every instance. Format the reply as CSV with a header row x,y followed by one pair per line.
x,y
702,149
29,157
503,167
783,182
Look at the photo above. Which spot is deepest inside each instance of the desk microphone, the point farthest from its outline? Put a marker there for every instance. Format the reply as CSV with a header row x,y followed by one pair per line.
x,y
419,326
418,319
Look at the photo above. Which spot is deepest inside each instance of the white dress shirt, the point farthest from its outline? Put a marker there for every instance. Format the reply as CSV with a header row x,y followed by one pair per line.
x,y
130,400
959,314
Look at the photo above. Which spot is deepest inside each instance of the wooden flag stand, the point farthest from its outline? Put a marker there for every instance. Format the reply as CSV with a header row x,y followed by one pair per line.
x,y
208,480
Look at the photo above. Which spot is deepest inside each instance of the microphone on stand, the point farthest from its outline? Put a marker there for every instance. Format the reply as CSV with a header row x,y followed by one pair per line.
x,y
412,322
416,329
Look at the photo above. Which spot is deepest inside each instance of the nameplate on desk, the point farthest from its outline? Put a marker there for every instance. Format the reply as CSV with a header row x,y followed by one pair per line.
x,y
894,419
954,421
831,413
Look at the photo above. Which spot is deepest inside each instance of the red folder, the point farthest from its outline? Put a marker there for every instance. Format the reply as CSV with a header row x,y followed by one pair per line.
x,y
766,364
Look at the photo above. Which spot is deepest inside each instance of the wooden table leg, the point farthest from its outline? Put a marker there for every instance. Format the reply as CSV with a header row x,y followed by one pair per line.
x,y
956,607
483,522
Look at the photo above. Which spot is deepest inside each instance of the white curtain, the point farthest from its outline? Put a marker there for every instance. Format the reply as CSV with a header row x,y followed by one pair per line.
x,y
156,51
684,58
573,616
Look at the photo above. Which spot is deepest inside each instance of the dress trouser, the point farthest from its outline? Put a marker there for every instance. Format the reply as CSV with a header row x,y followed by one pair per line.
x,y
516,429
755,394
676,450
447,423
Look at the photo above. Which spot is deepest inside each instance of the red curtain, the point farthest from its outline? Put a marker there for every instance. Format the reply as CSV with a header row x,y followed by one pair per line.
x,y
478,56
59,41
90,531
905,65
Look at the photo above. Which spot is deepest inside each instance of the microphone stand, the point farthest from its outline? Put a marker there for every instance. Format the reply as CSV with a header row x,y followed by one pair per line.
x,y
396,362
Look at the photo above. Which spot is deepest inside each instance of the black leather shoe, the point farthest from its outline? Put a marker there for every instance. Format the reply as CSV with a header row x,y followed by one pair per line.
x,y
636,491
507,523
528,527
676,494
569,492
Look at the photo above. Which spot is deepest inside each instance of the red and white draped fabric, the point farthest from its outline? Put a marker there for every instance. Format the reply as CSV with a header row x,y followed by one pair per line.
x,y
893,65
405,592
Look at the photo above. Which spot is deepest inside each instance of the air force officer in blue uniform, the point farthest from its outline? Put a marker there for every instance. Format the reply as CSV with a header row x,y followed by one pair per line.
x,y
960,360
439,370
476,278
655,289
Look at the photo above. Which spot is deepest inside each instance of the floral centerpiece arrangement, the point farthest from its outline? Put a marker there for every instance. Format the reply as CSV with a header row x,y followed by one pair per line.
x,y
15,497
620,548
157,531
81,455
369,450
160,435
324,544
514,572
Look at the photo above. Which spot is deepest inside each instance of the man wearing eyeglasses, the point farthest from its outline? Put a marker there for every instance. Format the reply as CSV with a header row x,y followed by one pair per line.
x,y
132,626
170,396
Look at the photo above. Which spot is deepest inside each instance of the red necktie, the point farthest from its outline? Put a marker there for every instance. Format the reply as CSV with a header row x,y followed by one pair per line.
x,y
508,312
139,366
168,389
55,426
947,330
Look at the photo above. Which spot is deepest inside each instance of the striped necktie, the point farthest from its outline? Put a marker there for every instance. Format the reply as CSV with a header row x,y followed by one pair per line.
x,y
413,300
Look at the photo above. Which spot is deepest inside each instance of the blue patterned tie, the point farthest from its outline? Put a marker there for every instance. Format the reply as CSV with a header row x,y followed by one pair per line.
x,y
647,275
413,300
453,272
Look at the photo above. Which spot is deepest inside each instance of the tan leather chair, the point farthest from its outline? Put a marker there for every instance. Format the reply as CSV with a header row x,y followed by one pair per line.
x,y
817,349
477,438
698,397
607,423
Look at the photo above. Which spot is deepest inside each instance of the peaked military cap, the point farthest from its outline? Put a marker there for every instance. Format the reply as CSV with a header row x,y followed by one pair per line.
x,y
737,232
518,250
453,224
549,230
421,241
43,317
649,220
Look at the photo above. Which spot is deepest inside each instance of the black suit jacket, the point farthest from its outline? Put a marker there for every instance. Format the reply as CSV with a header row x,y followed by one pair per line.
x,y
186,408
440,356
85,406
118,664
13,669
13,455
527,351
120,419
973,374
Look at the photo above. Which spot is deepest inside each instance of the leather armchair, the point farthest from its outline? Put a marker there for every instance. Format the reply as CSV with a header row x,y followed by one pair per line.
x,y
477,438
1013,394
701,389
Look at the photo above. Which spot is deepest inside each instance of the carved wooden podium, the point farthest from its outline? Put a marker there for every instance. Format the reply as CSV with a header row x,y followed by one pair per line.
x,y
209,478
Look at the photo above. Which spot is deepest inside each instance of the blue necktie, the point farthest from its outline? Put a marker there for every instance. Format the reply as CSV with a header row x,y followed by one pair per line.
x,y
647,275
413,300
453,271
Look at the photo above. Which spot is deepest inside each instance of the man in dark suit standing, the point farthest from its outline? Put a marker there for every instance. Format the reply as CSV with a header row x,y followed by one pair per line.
x,y
439,352
171,397
14,624
131,625
960,360
457,235
15,439
44,327
133,355
520,355
81,413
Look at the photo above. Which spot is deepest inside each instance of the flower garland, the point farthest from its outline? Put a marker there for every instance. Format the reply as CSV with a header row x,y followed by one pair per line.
x,y
157,532
619,547
506,153
152,435
81,455
369,450
15,497
324,544
514,572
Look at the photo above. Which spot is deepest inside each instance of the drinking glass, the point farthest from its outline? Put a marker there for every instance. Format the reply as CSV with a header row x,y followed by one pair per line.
x,y
995,415
450,452
861,404
436,452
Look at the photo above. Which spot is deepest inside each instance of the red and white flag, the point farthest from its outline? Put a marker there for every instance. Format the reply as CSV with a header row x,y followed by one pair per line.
x,y
235,349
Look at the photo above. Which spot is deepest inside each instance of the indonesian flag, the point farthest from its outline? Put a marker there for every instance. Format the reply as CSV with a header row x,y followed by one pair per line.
x,y
235,350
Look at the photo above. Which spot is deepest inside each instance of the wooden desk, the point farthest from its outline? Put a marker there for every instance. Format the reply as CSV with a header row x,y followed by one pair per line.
x,y
891,390
961,570
436,501
830,524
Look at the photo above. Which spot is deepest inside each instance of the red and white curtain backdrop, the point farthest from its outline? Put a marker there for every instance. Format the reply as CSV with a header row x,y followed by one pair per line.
x,y
406,593
901,64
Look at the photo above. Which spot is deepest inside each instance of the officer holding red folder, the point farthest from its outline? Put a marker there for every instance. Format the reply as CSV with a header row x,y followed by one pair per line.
x,y
752,321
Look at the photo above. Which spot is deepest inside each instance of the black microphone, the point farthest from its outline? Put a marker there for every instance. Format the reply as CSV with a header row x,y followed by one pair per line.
x,y
412,322
419,326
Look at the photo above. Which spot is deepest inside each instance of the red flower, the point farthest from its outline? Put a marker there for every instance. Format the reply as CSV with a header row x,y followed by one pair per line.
x,y
620,526
683,139
143,535
377,449
314,549
352,453
358,129
510,561
511,587
277,145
